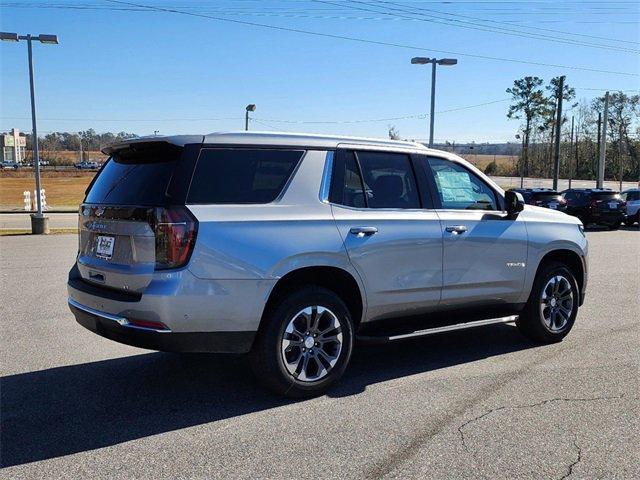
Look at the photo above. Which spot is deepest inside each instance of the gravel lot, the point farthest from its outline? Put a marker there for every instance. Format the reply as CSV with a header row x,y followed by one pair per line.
x,y
483,403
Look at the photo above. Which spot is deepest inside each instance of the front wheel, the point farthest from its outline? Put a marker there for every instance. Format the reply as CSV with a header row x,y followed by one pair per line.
x,y
305,343
552,307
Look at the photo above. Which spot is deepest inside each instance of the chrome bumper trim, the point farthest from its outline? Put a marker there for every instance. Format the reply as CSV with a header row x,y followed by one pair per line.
x,y
122,321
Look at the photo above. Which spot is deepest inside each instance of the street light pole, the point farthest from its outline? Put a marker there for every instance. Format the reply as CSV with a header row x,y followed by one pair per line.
x,y
34,128
250,108
433,62
39,223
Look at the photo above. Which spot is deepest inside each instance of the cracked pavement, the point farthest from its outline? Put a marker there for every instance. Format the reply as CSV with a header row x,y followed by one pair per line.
x,y
484,403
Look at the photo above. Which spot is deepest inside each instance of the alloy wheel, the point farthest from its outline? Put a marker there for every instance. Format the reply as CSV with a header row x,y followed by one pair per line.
x,y
311,343
556,303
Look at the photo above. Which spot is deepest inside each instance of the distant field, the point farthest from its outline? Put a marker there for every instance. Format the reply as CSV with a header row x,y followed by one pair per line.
x,y
481,161
63,189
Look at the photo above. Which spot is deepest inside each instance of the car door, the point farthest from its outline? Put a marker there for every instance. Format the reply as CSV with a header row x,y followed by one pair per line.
x,y
484,252
393,239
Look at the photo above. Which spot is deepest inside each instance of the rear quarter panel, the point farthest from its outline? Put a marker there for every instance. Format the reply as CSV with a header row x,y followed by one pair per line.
x,y
265,242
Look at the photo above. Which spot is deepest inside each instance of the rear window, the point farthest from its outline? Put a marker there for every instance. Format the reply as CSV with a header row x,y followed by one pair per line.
x,y
631,196
546,195
605,195
241,176
136,176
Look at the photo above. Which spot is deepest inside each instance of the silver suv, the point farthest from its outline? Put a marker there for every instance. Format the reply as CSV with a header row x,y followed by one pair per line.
x,y
292,247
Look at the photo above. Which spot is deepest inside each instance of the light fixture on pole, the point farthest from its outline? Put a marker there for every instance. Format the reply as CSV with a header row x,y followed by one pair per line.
x,y
39,223
433,62
250,108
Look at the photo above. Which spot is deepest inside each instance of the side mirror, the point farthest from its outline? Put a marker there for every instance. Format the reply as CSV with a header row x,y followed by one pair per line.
x,y
514,203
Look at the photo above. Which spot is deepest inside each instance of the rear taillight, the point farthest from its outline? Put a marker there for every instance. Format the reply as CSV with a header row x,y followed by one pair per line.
x,y
175,230
593,203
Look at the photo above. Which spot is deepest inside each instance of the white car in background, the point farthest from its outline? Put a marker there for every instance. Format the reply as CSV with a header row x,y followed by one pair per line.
x,y
632,199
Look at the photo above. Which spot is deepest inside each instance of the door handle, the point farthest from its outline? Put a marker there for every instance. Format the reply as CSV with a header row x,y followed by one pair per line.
x,y
456,229
363,231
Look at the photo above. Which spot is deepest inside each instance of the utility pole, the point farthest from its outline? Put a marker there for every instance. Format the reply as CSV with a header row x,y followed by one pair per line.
x,y
576,144
570,152
603,142
598,150
556,155
81,151
621,152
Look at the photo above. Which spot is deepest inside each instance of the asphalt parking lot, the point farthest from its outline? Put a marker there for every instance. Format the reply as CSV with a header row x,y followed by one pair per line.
x,y
483,403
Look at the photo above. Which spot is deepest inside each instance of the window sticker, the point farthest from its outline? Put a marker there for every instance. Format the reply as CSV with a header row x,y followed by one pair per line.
x,y
455,186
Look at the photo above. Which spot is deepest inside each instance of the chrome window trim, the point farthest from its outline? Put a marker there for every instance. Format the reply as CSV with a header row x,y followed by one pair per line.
x,y
325,185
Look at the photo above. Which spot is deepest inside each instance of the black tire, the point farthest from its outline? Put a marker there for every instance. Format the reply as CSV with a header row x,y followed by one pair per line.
x,y
629,222
266,356
531,321
583,219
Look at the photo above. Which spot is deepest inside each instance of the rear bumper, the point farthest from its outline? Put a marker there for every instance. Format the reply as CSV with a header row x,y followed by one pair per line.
x,y
606,217
118,329
200,315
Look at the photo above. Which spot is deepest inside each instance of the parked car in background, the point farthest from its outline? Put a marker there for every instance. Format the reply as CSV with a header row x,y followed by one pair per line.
x,y
631,198
87,165
12,165
601,206
288,247
543,197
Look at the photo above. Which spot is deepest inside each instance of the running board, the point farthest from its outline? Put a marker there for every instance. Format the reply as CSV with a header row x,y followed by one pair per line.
x,y
432,331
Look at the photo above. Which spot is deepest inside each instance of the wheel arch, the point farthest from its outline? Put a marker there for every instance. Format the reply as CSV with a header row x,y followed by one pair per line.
x,y
340,281
572,260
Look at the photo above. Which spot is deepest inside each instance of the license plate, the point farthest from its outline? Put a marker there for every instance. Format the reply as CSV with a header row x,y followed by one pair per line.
x,y
553,205
613,205
104,246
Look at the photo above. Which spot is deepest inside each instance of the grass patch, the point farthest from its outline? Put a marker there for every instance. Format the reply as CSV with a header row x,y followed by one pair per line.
x,y
64,190
7,232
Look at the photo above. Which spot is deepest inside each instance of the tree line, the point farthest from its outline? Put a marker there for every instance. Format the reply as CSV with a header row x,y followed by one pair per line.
x,y
535,105
85,141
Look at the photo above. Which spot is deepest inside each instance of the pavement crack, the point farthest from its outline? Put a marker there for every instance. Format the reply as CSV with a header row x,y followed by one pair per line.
x,y
576,461
531,405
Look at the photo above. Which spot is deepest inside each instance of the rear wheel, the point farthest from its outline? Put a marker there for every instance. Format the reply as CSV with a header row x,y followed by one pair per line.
x,y
305,343
552,306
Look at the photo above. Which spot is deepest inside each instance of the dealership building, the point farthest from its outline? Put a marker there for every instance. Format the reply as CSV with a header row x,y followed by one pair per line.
x,y
12,146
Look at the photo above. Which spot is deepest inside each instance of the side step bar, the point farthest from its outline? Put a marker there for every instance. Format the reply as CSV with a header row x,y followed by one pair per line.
x,y
432,331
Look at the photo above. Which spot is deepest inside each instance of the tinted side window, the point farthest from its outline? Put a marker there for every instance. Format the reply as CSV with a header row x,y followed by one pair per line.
x,y
346,183
241,176
460,189
388,180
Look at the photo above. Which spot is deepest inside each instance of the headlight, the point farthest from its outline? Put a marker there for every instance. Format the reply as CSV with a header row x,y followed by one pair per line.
x,y
581,228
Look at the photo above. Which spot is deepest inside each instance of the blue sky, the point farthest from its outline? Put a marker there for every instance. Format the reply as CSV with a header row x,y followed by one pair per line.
x,y
140,71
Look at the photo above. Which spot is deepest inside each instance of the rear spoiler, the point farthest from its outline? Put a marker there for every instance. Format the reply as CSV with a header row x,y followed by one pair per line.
x,y
145,142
